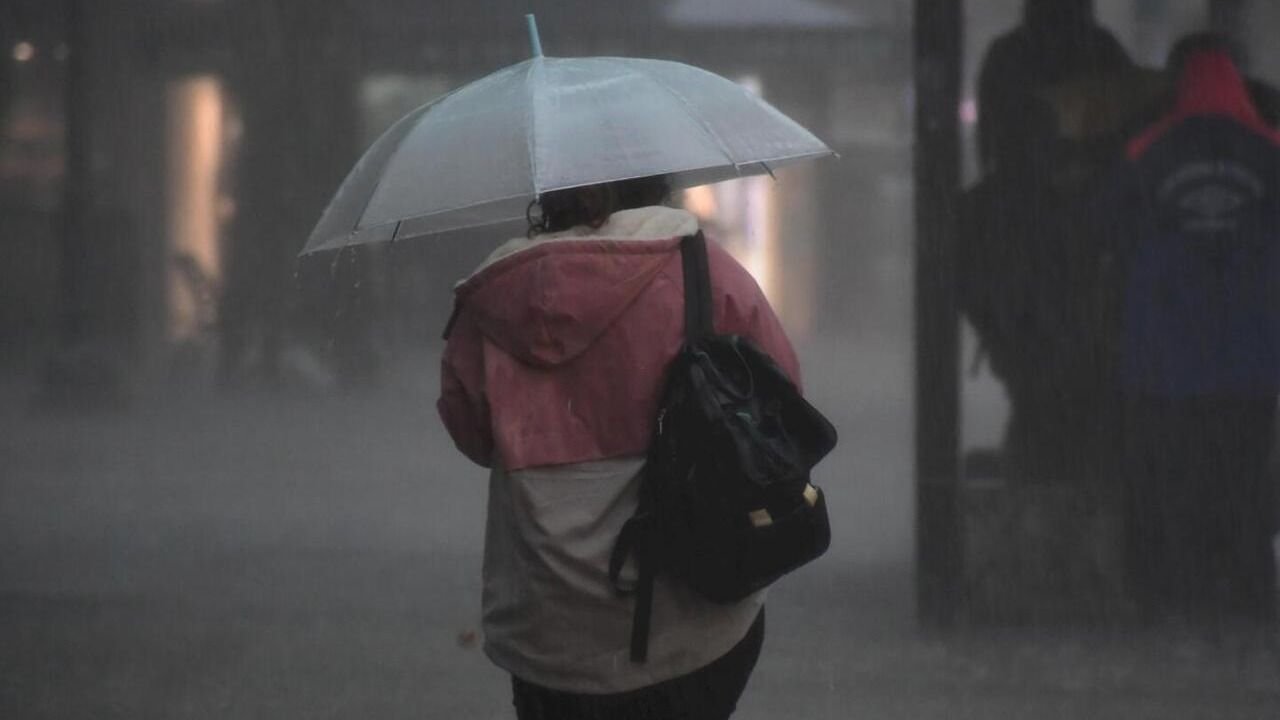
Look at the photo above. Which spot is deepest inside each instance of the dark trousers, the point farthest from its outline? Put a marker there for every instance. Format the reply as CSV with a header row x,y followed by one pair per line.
x,y
710,693
1201,507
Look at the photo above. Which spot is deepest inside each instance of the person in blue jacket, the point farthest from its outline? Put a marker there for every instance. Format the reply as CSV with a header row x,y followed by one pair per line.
x,y
1199,349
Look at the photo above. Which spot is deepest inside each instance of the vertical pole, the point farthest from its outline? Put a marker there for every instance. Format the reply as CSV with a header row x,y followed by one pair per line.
x,y
939,556
76,189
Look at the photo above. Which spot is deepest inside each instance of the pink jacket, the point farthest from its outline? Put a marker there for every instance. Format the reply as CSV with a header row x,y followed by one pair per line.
x,y
561,343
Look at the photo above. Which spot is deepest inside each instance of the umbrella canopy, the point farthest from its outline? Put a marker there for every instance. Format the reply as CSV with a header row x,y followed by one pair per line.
x,y
479,155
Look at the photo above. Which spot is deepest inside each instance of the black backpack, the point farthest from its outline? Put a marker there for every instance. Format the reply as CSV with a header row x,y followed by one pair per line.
x,y
725,502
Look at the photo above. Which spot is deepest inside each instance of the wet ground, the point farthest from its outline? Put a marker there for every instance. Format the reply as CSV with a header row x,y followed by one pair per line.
x,y
314,555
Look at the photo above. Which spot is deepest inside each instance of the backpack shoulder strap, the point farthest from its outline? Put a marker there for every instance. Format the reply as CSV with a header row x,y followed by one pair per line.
x,y
698,318
637,536
637,540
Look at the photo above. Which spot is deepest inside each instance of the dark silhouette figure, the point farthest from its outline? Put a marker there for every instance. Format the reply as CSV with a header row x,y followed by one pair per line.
x,y
1031,280
1058,40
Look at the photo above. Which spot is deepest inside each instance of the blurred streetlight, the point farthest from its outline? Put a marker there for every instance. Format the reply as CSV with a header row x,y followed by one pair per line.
x,y
24,52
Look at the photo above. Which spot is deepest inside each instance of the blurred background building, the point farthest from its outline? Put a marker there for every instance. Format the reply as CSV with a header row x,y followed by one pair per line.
x,y
162,162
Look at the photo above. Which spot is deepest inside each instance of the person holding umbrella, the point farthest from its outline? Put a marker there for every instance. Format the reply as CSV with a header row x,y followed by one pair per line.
x,y
559,345
552,376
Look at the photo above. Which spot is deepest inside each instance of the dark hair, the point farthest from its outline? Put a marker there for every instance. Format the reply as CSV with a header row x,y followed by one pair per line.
x,y
1057,13
1201,42
591,205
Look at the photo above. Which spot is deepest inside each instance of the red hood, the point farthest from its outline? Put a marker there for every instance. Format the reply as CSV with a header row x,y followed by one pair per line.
x,y
1210,84
546,300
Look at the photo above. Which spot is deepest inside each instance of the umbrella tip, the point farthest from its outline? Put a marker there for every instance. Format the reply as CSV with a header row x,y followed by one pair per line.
x,y
535,42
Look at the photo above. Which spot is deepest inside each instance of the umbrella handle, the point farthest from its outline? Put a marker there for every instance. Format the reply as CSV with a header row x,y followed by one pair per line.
x,y
535,42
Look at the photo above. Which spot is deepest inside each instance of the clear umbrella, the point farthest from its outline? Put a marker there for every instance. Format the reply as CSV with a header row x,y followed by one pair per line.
x,y
480,154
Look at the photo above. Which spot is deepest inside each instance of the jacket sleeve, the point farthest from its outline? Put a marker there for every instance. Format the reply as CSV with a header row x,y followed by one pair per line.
x,y
463,407
742,309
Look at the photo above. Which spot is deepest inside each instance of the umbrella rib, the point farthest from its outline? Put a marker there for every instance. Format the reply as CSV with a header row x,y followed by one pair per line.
x,y
377,185
706,127
420,113
364,204
414,218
